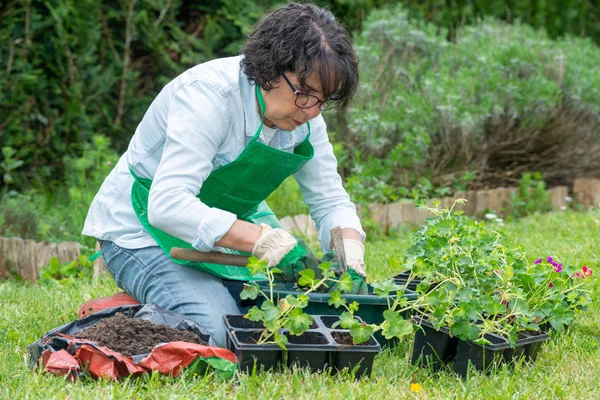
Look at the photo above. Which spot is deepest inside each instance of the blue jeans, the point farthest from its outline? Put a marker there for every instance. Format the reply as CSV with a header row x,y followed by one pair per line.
x,y
151,277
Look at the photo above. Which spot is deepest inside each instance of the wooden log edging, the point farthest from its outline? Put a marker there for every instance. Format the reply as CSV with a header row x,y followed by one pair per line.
x,y
27,257
586,191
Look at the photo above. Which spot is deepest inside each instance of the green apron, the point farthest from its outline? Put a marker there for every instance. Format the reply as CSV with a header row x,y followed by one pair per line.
x,y
239,187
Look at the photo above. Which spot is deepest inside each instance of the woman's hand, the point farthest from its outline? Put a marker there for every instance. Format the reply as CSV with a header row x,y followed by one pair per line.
x,y
355,256
286,252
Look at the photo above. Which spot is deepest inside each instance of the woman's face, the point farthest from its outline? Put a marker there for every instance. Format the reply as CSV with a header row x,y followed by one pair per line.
x,y
281,107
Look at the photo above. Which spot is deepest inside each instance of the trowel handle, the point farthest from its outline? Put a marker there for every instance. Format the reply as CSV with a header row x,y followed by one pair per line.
x,y
212,257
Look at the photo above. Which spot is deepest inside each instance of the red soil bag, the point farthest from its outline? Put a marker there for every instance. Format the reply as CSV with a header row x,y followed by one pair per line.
x,y
59,352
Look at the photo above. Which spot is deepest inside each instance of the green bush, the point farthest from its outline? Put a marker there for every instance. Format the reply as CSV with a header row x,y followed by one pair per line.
x,y
532,197
57,213
81,269
576,17
69,70
430,112
19,216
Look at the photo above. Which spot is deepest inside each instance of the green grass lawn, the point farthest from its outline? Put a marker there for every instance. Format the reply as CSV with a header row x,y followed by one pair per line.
x,y
567,367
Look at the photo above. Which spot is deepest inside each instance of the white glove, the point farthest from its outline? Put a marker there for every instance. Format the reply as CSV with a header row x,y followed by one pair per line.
x,y
355,256
273,245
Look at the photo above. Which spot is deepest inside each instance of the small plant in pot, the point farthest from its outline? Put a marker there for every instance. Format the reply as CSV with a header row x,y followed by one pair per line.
x,y
479,301
287,312
284,334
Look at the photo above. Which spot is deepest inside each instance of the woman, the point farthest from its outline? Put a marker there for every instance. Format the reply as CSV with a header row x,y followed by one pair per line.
x,y
215,142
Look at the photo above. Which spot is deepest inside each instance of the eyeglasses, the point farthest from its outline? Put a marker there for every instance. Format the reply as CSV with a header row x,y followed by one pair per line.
x,y
305,100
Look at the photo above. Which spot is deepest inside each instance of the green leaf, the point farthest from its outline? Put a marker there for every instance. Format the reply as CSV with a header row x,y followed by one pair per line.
x,y
383,289
297,302
560,318
336,299
255,266
345,283
307,278
361,332
280,340
394,325
464,330
271,311
8,152
325,266
465,261
298,322
353,307
464,294
251,291
532,327
304,299
16,164
255,314
347,320
496,308
482,341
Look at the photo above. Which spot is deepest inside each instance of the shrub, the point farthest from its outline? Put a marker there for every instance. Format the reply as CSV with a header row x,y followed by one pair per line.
x,y
499,100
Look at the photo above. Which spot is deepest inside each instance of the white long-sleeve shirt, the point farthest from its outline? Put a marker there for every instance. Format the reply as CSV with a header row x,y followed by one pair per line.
x,y
200,121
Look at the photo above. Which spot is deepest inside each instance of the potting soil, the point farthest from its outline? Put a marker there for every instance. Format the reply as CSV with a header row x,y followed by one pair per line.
x,y
131,336
342,338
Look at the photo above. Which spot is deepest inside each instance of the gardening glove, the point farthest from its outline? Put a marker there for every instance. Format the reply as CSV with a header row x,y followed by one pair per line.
x,y
355,256
359,286
283,250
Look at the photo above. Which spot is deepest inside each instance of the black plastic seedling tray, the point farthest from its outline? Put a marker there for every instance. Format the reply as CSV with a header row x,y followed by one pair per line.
x,y
432,347
402,279
371,307
484,356
316,349
438,347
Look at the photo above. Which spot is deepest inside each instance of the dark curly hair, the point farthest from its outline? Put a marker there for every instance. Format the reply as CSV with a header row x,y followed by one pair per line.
x,y
303,39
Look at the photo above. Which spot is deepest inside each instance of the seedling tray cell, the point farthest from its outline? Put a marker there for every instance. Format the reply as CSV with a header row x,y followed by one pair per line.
x,y
308,350
433,347
358,358
249,353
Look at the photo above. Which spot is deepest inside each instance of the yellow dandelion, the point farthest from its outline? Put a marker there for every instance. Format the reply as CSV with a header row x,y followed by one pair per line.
x,y
415,387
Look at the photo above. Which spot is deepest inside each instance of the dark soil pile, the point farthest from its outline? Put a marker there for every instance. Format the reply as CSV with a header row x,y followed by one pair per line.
x,y
131,336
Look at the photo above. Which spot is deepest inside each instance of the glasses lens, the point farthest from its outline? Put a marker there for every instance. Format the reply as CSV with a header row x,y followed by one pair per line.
x,y
304,100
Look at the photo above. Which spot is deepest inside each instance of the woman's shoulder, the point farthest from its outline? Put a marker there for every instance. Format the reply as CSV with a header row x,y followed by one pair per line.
x,y
221,74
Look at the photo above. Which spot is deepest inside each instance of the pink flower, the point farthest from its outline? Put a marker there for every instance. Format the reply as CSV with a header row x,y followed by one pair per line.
x,y
558,268
538,261
550,284
549,259
585,272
